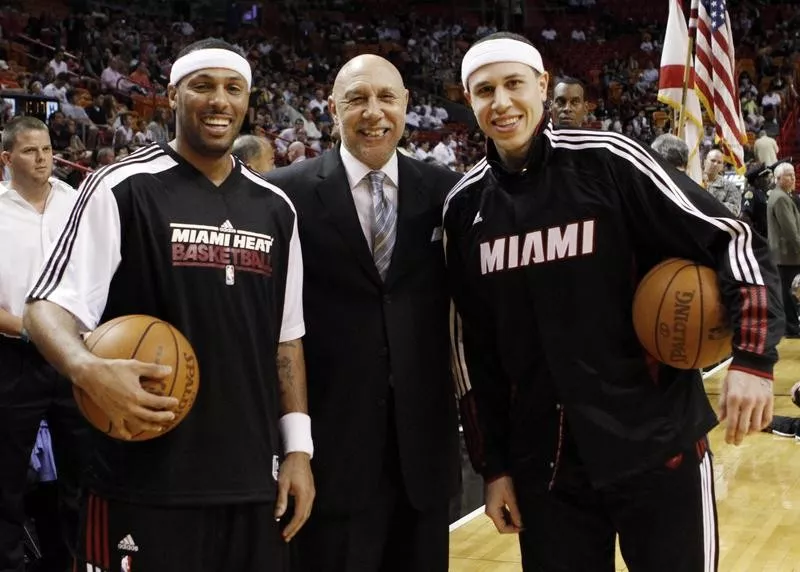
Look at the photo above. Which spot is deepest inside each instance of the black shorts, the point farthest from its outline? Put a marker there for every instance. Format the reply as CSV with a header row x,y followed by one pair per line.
x,y
122,537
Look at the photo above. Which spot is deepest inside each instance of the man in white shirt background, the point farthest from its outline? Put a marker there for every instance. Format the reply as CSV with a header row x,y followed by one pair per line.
x,y
766,149
57,64
58,88
33,209
443,152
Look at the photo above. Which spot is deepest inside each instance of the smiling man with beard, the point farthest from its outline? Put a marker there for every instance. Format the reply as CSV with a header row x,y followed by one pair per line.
x,y
187,233
580,436
376,306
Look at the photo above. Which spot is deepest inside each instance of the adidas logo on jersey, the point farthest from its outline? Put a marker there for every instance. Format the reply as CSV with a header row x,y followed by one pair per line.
x,y
478,218
227,226
127,544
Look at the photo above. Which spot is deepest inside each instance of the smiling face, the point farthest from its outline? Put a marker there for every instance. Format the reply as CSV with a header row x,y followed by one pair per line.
x,y
507,99
369,106
210,106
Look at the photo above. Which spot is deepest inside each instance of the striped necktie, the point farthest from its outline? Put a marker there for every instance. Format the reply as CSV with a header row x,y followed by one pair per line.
x,y
384,225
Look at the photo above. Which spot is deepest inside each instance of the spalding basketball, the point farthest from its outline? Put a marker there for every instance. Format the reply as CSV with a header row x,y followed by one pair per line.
x,y
679,316
150,340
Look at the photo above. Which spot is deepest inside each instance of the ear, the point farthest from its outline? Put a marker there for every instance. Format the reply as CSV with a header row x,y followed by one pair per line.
x,y
544,80
172,94
332,109
468,97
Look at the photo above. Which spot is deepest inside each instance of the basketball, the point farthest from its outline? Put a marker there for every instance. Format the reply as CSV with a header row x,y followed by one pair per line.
x,y
150,340
679,316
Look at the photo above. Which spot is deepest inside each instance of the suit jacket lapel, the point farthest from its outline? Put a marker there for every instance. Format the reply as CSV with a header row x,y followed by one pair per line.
x,y
334,192
413,201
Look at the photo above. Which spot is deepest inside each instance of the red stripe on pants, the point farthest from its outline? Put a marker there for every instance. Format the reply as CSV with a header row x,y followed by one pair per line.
x,y
89,531
106,560
97,529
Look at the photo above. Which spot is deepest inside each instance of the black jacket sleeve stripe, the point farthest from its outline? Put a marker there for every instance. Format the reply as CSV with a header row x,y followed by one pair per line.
x,y
752,326
472,176
742,259
59,258
460,371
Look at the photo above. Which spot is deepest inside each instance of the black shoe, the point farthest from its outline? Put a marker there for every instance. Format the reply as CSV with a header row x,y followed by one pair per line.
x,y
792,335
784,426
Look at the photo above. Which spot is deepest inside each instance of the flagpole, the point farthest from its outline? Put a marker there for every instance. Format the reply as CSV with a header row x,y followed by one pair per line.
x,y
686,71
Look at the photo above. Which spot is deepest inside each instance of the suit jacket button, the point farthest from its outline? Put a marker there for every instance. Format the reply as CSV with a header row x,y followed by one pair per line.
x,y
387,299
384,351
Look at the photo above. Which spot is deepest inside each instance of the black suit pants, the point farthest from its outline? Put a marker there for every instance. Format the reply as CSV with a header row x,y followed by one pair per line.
x,y
31,390
389,536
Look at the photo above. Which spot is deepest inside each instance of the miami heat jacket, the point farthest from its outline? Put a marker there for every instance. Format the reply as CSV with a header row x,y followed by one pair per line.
x,y
543,266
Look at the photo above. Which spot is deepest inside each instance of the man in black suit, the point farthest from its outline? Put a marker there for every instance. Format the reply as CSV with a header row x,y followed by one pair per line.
x,y
376,309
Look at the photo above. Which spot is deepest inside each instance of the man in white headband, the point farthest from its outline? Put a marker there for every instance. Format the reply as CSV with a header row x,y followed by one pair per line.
x,y
187,233
580,435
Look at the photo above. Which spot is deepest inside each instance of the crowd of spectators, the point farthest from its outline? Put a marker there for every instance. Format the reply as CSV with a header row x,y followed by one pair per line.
x,y
109,70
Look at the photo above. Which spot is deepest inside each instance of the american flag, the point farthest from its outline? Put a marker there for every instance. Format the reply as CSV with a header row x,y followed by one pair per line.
x,y
715,79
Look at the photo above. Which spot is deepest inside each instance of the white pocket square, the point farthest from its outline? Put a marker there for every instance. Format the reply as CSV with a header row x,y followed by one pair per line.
x,y
437,234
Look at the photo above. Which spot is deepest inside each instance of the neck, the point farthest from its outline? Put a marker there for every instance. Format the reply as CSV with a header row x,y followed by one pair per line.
x,y
34,193
216,169
515,160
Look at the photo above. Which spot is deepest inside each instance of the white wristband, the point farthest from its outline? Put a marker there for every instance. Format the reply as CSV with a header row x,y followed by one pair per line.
x,y
296,433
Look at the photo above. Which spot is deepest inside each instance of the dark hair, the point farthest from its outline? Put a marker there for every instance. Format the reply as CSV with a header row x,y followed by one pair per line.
x,y
569,81
17,125
504,36
210,44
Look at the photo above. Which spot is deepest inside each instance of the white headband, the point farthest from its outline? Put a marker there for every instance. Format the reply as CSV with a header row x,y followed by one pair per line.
x,y
499,50
210,58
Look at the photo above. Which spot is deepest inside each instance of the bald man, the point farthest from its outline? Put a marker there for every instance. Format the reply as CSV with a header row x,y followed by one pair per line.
x,y
724,190
377,313
296,152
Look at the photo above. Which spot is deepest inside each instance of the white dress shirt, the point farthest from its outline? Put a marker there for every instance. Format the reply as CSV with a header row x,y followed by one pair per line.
x,y
362,192
25,239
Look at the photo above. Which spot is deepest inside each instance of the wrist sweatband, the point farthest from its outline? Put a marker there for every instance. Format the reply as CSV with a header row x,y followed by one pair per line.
x,y
296,433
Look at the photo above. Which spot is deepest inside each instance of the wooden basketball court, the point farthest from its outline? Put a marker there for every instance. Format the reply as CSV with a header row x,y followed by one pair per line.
x,y
758,498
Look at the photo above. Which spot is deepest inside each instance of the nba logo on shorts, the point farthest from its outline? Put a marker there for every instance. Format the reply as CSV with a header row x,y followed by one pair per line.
x,y
229,277
126,565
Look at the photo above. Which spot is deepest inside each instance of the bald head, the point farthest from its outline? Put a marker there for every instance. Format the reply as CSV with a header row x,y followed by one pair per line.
x,y
363,66
368,104
296,149
714,165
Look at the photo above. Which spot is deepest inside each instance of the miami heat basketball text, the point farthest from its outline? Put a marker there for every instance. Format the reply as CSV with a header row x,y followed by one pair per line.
x,y
221,247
